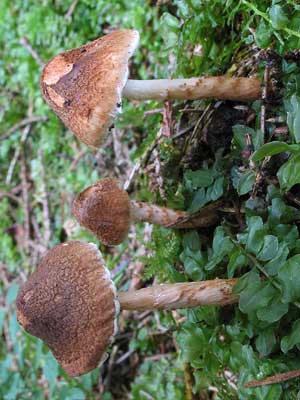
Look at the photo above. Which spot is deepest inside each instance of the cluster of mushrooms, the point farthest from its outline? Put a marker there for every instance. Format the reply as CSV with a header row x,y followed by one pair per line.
x,y
70,301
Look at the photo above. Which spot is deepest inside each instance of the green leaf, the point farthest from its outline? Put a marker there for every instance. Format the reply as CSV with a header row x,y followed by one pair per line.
x,y
278,19
191,339
191,239
75,394
50,369
272,148
239,136
255,238
293,117
263,34
289,173
218,239
237,259
199,201
170,21
215,191
12,293
289,278
274,265
222,246
273,311
266,341
199,179
288,342
14,328
269,249
169,26
193,262
2,316
256,295
246,280
281,212
246,182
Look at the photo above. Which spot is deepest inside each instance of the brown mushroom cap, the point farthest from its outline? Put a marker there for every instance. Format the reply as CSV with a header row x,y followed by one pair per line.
x,y
84,85
104,209
70,303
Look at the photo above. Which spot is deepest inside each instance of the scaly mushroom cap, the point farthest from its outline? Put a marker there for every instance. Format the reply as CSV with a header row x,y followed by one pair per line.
x,y
84,85
104,209
70,303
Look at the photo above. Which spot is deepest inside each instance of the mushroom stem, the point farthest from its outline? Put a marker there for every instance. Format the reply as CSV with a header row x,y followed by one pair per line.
x,y
218,87
141,211
217,292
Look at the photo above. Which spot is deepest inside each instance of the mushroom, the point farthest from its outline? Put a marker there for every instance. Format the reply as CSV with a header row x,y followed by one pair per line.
x,y
106,210
84,86
70,302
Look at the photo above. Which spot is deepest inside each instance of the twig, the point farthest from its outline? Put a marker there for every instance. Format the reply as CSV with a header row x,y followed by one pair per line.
x,y
124,357
190,110
183,132
36,229
153,111
71,9
146,395
278,378
264,97
281,130
25,197
158,175
15,158
231,379
167,122
21,124
158,357
38,247
188,380
46,214
76,160
142,161
25,43
108,378
10,196
205,112
292,198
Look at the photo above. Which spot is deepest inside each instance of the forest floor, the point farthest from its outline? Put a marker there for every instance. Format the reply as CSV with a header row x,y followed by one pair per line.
x,y
241,157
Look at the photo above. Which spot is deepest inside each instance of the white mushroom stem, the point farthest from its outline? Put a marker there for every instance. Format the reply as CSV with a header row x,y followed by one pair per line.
x,y
217,292
141,211
217,87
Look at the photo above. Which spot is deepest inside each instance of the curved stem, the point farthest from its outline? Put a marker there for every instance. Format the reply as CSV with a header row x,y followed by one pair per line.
x,y
141,211
217,292
217,87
